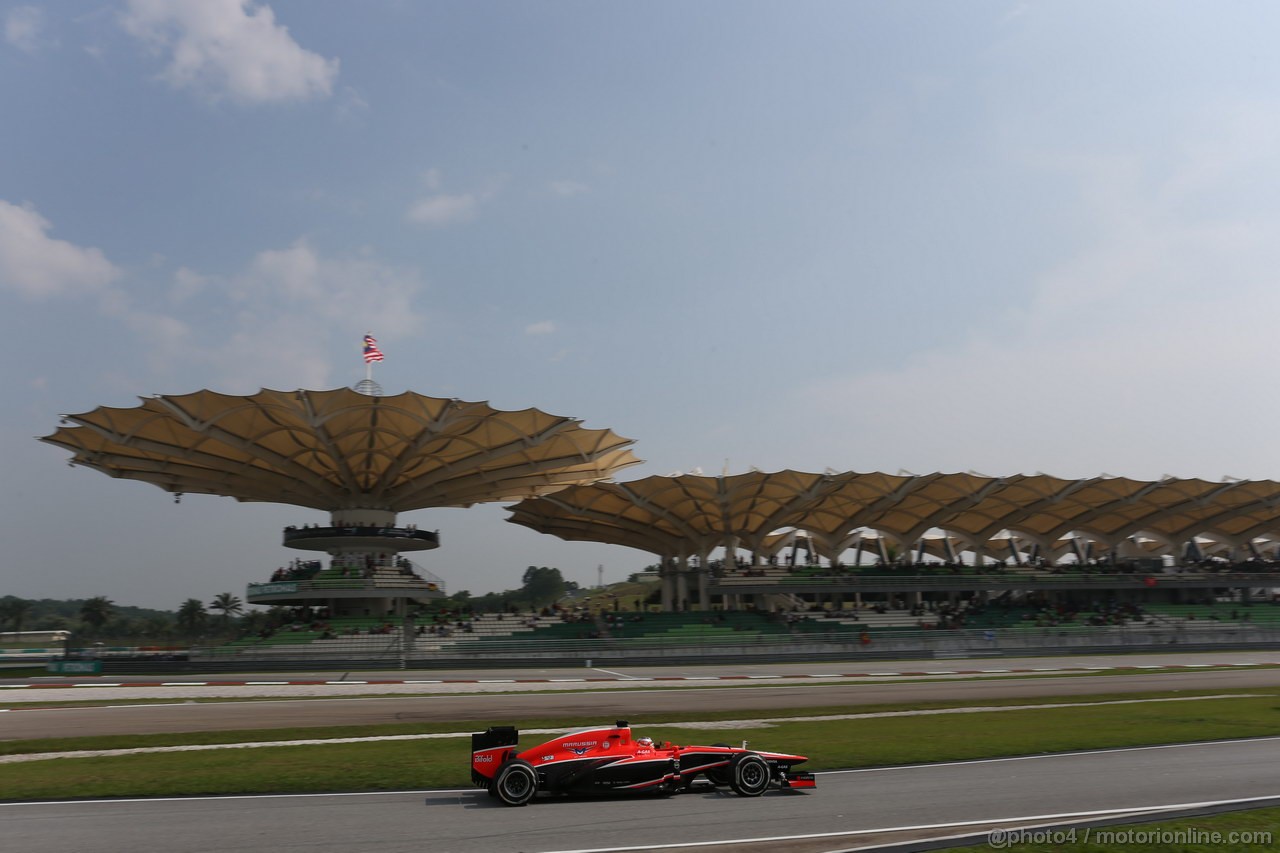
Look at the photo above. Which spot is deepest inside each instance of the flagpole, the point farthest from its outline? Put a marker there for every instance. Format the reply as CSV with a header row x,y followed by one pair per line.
x,y
371,354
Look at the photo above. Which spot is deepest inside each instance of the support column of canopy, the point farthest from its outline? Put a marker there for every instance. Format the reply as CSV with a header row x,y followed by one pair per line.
x,y
363,561
1107,548
730,561
704,581
682,584
1232,547
828,548
979,554
362,517
667,583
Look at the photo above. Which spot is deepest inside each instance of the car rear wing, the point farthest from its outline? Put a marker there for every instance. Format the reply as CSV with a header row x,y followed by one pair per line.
x,y
489,750
495,736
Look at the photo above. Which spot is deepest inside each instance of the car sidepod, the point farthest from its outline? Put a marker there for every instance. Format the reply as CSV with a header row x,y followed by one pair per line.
x,y
710,762
613,773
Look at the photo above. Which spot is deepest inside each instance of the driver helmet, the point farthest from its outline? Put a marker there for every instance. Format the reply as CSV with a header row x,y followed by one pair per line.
x,y
645,741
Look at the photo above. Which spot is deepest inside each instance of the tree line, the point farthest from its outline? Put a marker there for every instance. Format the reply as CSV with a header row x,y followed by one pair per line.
x,y
99,618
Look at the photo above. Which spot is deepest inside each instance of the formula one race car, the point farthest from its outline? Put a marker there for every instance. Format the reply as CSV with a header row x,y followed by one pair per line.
x,y
609,760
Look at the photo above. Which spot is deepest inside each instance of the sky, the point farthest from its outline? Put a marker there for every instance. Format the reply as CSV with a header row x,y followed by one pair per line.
x,y
999,237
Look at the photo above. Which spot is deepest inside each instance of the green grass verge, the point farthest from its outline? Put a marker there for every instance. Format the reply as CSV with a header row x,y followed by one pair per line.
x,y
1184,835
411,765
103,742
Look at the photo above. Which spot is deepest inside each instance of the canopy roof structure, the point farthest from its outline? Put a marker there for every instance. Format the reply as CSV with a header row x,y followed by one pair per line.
x,y
674,515
692,514
339,449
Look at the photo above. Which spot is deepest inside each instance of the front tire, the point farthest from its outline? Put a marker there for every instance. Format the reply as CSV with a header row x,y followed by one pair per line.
x,y
751,776
516,784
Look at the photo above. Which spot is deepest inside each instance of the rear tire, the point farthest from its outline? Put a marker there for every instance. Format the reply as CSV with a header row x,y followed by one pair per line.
x,y
751,776
516,784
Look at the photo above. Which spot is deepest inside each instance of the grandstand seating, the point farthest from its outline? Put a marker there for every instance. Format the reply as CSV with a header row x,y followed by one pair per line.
x,y
356,634
1229,613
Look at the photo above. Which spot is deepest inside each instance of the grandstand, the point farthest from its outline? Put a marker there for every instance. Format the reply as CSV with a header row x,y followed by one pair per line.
x,y
749,558
755,540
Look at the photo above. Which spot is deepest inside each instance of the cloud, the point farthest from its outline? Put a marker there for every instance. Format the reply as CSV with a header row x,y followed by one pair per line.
x,y
568,188
355,290
23,27
437,211
304,307
38,266
546,327
187,283
351,105
278,323
229,48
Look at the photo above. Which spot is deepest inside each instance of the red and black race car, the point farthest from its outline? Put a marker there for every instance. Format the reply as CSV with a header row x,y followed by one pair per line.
x,y
609,760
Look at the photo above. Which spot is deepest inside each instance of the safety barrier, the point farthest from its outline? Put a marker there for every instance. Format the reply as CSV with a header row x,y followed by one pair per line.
x,y
386,652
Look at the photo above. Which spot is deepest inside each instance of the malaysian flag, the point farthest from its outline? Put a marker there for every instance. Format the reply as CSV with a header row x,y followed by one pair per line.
x,y
371,351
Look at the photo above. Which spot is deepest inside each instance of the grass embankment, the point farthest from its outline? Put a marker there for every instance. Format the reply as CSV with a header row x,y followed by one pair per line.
x,y
416,764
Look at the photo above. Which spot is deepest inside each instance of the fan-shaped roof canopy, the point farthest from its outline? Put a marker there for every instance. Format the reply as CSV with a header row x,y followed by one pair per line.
x,y
690,514
682,514
339,449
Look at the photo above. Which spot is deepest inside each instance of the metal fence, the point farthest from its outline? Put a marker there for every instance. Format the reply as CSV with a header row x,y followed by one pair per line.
x,y
1042,580
388,652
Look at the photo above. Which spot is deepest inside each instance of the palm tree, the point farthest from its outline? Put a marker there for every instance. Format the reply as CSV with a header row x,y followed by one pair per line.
x,y
191,616
96,612
228,604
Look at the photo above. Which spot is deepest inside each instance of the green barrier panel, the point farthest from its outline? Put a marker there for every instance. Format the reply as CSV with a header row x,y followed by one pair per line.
x,y
82,667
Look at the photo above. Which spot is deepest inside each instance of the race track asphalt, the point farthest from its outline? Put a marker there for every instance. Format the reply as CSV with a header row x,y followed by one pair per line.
x,y
171,710
847,809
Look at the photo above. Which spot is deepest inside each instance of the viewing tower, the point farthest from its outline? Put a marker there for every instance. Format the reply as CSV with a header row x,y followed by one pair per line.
x,y
358,456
